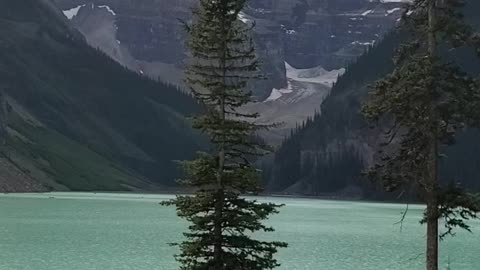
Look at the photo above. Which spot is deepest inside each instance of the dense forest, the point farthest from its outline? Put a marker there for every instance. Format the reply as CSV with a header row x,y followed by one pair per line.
x,y
328,153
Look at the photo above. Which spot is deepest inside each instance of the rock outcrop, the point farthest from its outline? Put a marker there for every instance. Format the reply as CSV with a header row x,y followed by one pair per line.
x,y
329,33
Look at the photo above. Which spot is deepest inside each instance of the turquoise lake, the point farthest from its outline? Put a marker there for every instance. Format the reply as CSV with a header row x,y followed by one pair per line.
x,y
85,231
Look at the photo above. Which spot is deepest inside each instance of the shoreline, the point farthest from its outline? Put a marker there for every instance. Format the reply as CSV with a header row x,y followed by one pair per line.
x,y
265,195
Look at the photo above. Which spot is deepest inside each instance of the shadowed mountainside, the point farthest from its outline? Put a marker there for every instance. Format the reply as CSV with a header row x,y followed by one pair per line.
x,y
75,119
327,154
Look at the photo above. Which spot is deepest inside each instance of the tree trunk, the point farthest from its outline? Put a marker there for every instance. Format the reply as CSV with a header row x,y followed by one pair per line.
x,y
220,196
432,231
431,186
217,233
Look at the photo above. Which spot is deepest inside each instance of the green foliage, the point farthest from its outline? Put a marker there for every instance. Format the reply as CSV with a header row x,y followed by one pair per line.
x,y
424,103
222,63
457,206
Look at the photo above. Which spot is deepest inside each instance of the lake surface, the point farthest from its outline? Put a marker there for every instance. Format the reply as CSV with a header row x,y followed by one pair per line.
x,y
82,231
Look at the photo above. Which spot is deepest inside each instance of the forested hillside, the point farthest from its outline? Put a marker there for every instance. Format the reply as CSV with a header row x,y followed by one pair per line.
x,y
75,118
328,153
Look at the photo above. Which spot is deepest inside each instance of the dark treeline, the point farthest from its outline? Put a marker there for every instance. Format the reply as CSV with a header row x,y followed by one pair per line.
x,y
325,135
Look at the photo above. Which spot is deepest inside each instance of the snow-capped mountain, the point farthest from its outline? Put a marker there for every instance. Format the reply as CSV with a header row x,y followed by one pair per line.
x,y
293,104
148,37
310,35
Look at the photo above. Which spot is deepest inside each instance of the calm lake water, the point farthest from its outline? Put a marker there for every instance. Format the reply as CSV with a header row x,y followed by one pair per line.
x,y
81,231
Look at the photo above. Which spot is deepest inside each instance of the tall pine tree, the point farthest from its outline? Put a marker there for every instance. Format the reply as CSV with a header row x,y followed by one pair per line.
x,y
421,106
222,63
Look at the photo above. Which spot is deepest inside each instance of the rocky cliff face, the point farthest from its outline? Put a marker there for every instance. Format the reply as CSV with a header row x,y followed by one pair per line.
x,y
330,33
291,105
291,36
147,36
328,154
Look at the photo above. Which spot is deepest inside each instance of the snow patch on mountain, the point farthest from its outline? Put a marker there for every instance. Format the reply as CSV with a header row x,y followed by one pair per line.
x,y
367,12
245,18
363,43
303,83
276,94
393,10
70,13
302,97
109,10
314,75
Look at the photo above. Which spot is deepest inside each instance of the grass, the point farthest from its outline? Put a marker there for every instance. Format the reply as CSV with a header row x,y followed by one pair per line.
x,y
68,162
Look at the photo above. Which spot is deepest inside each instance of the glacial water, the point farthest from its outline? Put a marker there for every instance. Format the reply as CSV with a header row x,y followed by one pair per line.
x,y
85,231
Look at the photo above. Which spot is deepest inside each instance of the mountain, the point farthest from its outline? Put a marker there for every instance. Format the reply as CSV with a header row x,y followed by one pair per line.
x,y
74,119
288,106
329,33
327,153
148,37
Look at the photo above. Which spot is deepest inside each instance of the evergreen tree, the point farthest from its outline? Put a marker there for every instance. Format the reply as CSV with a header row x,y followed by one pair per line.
x,y
222,222
422,105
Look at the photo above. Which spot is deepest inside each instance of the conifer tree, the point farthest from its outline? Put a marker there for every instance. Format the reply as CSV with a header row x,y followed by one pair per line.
x,y
421,106
222,63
